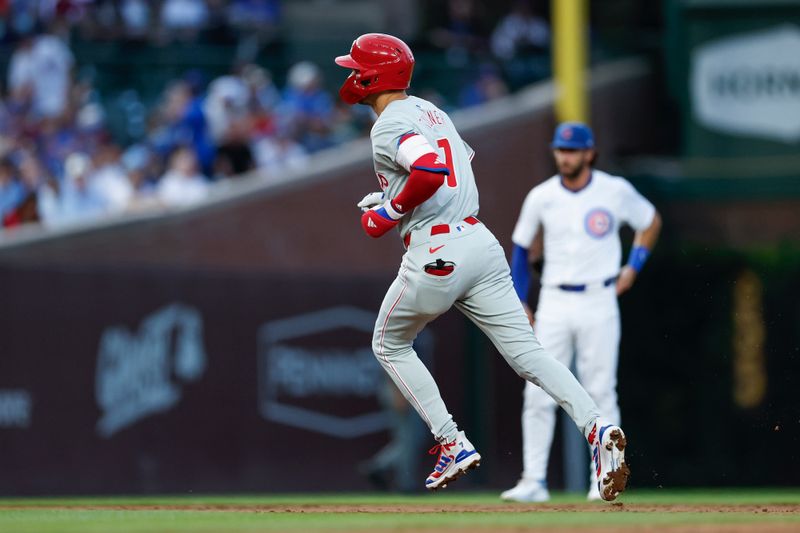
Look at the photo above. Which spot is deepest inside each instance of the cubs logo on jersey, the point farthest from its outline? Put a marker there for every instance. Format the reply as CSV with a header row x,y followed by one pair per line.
x,y
598,223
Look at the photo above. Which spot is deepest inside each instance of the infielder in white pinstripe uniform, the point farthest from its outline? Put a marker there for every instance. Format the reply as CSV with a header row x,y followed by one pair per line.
x,y
579,211
429,195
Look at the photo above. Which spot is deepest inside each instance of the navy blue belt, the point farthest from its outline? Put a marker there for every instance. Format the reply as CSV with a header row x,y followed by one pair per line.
x,y
581,288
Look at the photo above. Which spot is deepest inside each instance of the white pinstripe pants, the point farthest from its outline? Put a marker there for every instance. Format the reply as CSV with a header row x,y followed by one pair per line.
x,y
580,325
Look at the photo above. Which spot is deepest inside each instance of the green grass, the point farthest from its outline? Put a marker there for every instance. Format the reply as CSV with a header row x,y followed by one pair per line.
x,y
61,515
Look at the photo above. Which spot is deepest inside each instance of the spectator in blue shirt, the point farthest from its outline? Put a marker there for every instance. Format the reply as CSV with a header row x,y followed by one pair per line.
x,y
184,124
307,109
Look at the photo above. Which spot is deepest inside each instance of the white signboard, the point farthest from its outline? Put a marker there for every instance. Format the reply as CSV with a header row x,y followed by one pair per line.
x,y
749,84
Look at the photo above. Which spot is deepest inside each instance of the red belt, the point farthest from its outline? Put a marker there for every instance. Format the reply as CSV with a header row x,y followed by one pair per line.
x,y
438,229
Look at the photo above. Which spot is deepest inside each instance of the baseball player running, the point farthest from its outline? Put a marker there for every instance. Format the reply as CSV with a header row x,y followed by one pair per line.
x,y
580,211
429,195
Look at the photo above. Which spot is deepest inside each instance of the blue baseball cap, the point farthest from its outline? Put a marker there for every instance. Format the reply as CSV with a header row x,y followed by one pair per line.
x,y
574,136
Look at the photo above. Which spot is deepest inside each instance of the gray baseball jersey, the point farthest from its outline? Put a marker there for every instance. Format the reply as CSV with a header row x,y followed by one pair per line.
x,y
408,129
452,260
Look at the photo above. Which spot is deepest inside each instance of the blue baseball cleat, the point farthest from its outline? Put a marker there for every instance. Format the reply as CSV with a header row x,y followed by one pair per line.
x,y
455,460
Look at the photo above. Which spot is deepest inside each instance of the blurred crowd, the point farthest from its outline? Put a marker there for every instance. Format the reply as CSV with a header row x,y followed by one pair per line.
x,y
60,163
153,20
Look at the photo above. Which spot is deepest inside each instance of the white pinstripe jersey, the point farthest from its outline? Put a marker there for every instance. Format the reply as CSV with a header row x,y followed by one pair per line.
x,y
581,228
457,198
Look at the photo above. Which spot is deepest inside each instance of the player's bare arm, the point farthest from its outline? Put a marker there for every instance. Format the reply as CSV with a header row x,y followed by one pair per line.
x,y
643,243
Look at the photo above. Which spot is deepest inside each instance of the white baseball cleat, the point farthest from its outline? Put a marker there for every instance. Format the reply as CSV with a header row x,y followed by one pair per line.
x,y
455,460
594,493
608,454
527,491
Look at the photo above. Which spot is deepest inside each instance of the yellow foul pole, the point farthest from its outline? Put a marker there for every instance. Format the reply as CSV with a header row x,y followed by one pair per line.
x,y
570,28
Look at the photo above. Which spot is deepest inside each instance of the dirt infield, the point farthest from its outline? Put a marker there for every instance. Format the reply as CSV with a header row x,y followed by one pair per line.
x,y
745,526
781,509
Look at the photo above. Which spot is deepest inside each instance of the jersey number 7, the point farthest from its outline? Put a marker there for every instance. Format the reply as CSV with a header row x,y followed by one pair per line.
x,y
444,144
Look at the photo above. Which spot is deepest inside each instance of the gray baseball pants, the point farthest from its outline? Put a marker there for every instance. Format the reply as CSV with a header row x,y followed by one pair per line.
x,y
480,287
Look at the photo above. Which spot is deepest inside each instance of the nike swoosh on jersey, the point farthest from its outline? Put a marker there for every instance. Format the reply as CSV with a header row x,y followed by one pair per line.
x,y
433,250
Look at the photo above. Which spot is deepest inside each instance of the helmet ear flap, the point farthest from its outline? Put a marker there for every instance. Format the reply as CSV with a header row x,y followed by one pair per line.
x,y
353,89
360,80
363,75
368,81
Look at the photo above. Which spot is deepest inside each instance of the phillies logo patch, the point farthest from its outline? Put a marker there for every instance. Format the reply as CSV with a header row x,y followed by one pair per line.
x,y
598,223
382,181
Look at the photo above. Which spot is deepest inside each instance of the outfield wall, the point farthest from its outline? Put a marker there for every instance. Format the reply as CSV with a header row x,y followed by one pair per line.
x,y
118,380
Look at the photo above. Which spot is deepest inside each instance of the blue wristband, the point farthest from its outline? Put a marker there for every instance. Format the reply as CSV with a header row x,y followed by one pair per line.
x,y
638,258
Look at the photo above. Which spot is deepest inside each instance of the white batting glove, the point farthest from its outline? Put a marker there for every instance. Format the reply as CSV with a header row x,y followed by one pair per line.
x,y
371,200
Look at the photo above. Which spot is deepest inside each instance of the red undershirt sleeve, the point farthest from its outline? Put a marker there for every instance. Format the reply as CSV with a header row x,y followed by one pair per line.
x,y
427,175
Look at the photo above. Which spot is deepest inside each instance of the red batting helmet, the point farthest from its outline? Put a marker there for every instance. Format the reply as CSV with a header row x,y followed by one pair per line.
x,y
380,63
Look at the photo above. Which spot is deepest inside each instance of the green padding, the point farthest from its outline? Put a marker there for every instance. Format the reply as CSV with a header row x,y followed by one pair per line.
x,y
703,188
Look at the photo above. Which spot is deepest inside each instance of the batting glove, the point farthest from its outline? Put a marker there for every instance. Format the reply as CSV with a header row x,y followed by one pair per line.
x,y
380,219
371,200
